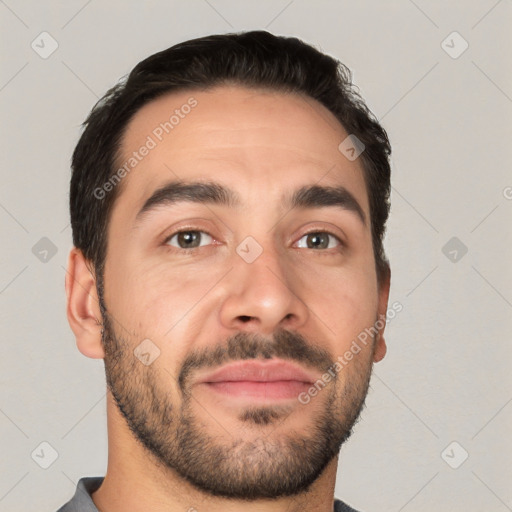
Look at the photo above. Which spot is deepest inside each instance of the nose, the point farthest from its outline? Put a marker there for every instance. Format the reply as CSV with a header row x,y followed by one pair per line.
x,y
262,296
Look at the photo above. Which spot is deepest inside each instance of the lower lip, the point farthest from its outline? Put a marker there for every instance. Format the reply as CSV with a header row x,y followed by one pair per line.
x,y
263,390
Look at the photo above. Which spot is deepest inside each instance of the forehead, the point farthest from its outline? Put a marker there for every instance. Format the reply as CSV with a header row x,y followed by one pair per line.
x,y
248,139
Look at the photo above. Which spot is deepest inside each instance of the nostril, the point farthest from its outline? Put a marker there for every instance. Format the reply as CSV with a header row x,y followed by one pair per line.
x,y
245,318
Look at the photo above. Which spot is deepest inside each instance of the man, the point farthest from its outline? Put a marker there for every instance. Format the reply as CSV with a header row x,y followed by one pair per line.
x,y
228,205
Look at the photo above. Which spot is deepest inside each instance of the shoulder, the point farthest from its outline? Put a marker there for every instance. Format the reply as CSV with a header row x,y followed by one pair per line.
x,y
82,500
340,506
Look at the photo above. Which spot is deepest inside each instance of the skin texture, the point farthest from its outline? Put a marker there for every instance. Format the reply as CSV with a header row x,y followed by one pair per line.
x,y
173,443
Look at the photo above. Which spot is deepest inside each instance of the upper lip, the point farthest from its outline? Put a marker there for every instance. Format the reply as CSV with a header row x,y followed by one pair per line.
x,y
259,371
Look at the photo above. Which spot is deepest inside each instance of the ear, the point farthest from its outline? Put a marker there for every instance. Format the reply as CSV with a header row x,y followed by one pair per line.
x,y
83,309
380,342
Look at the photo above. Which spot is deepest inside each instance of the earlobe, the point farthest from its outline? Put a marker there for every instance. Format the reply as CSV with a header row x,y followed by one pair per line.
x,y
83,310
380,343
380,349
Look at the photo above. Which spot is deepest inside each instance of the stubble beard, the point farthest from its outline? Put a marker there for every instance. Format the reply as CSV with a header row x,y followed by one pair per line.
x,y
278,462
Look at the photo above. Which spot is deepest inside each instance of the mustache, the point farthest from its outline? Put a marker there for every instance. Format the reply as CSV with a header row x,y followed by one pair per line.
x,y
241,346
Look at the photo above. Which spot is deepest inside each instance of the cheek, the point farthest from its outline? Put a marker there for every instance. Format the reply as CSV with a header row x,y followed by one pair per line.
x,y
154,296
346,302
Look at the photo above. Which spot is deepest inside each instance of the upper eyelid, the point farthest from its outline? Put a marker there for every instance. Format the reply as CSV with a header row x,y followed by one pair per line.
x,y
309,232
186,230
324,230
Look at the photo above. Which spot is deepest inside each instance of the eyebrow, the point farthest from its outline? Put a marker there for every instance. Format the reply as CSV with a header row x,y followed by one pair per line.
x,y
309,196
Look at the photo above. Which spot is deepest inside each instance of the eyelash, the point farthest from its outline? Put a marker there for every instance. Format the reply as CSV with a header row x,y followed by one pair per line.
x,y
192,250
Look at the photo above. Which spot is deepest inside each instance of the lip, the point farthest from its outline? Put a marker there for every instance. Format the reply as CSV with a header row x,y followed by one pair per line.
x,y
263,381
259,371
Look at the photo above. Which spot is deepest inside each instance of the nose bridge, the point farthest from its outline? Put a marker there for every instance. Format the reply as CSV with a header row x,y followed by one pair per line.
x,y
263,293
264,268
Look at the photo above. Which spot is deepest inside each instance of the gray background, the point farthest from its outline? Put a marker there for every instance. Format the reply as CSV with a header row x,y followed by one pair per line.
x,y
446,377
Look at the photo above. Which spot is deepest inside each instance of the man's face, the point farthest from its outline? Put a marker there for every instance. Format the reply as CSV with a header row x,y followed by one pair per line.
x,y
257,279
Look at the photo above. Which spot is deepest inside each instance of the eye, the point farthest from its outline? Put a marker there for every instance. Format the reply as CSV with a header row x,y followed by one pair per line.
x,y
319,240
189,239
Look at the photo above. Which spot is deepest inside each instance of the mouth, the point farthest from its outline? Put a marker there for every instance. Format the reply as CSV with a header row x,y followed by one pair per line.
x,y
275,390
262,380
